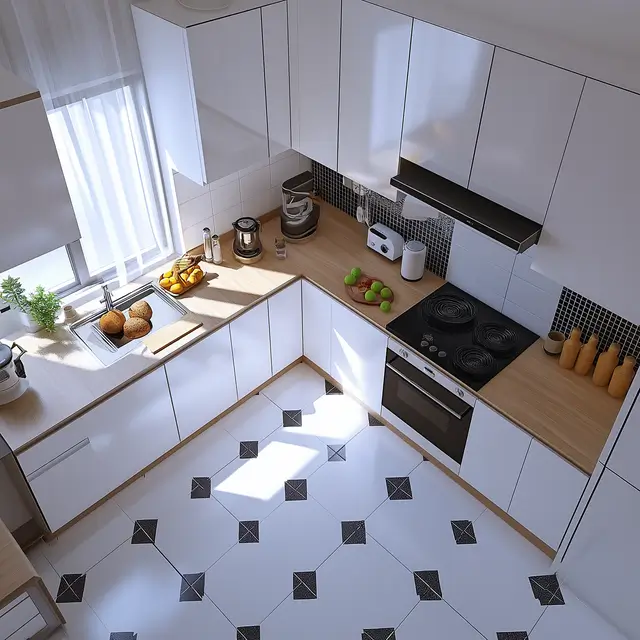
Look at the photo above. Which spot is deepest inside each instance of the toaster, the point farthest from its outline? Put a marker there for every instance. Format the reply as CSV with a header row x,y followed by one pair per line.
x,y
385,241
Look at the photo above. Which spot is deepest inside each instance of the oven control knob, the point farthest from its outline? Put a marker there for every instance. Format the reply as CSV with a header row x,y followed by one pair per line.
x,y
460,392
404,353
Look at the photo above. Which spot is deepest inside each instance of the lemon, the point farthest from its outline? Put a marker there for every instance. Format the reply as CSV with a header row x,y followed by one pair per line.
x,y
167,274
192,279
173,280
176,288
165,283
190,270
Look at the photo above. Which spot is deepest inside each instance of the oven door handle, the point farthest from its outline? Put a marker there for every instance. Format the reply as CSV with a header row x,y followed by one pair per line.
x,y
417,387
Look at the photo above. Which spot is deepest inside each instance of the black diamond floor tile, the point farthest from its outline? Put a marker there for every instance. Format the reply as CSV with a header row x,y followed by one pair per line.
x,y
374,422
292,418
248,633
330,390
399,489
144,532
249,449
123,635
546,590
354,532
512,635
463,532
427,585
337,452
379,634
295,490
200,488
192,587
304,585
71,588
248,531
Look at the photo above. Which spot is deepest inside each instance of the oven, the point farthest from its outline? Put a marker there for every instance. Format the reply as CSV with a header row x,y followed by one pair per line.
x,y
425,405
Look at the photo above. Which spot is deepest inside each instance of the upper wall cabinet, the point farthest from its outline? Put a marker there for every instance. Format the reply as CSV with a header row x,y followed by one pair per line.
x,y
525,126
375,59
37,215
590,238
314,52
211,86
448,75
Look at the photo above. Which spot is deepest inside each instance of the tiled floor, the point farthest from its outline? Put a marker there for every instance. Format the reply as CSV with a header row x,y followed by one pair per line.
x,y
297,517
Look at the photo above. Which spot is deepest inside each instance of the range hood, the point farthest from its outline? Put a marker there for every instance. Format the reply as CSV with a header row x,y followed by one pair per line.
x,y
488,217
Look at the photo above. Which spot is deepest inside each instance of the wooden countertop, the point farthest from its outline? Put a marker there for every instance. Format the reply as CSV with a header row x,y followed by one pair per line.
x,y
15,569
562,410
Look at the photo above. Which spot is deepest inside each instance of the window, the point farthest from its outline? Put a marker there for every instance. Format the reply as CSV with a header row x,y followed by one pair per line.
x,y
53,271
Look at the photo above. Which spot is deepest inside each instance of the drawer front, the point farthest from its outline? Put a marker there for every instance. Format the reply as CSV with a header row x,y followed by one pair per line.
x,y
16,615
80,464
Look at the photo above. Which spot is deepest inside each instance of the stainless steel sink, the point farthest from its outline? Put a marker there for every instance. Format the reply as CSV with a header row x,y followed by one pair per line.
x,y
109,349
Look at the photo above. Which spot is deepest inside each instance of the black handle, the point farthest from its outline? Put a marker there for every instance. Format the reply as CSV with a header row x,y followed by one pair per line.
x,y
17,362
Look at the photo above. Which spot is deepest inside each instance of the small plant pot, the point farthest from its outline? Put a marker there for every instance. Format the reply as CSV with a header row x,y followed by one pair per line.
x,y
29,323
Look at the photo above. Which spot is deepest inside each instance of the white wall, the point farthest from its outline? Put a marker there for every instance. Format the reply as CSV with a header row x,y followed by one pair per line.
x,y
250,192
597,39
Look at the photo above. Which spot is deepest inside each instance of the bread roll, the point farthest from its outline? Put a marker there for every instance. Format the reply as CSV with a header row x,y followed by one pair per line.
x,y
112,322
141,309
136,328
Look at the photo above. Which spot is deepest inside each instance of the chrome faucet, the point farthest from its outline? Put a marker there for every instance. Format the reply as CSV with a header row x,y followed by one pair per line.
x,y
107,300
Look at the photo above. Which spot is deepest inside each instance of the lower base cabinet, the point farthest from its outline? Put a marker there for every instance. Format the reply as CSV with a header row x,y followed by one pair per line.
x,y
20,620
77,466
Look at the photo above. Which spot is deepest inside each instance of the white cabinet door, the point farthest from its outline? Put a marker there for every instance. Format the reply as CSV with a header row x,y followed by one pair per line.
x,y
285,324
314,55
525,126
38,216
602,563
227,64
251,349
202,382
316,325
78,465
276,73
547,494
494,455
448,75
375,61
594,209
624,457
358,351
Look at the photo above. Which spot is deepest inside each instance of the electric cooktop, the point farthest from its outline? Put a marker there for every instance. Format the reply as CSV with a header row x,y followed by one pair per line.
x,y
462,335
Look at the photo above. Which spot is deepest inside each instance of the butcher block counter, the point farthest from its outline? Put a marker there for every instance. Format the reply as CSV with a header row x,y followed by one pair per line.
x,y
559,408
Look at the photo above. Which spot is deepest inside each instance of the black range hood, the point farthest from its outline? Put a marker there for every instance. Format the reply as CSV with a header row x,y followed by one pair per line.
x,y
488,217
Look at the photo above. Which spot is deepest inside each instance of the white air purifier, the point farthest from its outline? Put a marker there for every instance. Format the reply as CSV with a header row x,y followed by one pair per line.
x,y
414,256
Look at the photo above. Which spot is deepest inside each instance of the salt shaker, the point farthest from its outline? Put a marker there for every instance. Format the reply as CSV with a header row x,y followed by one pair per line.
x,y
208,247
216,250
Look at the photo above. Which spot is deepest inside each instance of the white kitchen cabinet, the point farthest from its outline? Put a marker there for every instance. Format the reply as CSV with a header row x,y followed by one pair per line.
x,y
316,325
589,241
202,382
17,615
251,349
448,75
75,467
358,352
548,491
285,325
373,80
314,55
493,456
209,86
276,73
525,126
38,215
624,456
602,563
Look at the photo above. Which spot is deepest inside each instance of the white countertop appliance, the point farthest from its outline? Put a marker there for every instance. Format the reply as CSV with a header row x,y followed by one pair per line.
x,y
385,241
13,380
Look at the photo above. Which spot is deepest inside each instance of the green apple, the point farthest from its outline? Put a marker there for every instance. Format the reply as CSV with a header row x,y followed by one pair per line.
x,y
356,272
370,296
350,279
386,293
385,306
377,286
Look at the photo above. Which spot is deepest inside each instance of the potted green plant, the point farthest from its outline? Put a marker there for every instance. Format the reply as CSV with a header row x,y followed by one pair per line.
x,y
37,311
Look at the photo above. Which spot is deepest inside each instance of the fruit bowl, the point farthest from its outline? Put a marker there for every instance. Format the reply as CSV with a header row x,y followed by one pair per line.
x,y
183,276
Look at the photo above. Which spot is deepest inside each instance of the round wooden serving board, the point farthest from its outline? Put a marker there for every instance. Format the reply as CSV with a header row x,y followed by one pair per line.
x,y
357,295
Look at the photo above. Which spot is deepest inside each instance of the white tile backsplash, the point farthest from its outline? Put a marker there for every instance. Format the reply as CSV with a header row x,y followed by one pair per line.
x,y
284,169
196,210
187,189
226,196
258,205
193,235
526,318
255,184
483,248
222,221
533,299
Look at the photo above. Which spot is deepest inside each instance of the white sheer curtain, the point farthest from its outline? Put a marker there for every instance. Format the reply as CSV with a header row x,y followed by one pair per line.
x,y
83,57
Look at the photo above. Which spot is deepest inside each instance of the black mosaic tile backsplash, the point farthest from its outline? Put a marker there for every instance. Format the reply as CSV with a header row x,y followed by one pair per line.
x,y
436,234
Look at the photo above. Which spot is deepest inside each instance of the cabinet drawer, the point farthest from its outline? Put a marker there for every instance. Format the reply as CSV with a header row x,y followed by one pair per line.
x,y
16,615
77,466
316,325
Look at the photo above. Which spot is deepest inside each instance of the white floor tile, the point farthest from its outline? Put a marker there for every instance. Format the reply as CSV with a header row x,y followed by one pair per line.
x,y
252,488
253,578
299,388
135,589
436,619
353,489
256,419
89,541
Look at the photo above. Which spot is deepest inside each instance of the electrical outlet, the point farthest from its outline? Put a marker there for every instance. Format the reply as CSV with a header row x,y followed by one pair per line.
x,y
358,189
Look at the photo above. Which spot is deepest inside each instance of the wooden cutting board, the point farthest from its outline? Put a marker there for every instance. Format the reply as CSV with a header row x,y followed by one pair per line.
x,y
356,292
166,336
